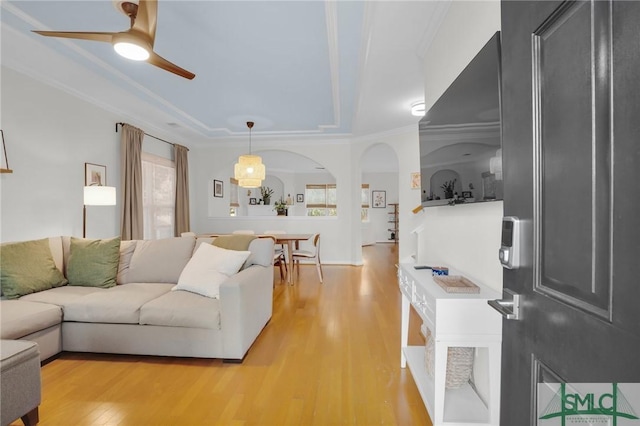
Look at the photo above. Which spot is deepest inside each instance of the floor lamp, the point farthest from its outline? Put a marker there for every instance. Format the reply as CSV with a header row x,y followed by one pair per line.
x,y
97,196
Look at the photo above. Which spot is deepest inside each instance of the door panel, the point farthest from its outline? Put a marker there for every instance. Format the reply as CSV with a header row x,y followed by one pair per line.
x,y
571,161
572,149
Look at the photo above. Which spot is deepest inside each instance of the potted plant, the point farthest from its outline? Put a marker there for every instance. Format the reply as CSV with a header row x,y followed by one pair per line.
x,y
266,194
281,207
448,188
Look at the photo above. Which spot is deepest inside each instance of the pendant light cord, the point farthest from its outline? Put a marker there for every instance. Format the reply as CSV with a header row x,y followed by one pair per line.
x,y
250,126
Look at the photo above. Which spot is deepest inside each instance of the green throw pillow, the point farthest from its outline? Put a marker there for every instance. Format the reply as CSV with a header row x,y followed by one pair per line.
x,y
28,267
93,263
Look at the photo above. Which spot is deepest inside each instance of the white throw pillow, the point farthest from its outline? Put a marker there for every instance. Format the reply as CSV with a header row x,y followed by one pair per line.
x,y
209,267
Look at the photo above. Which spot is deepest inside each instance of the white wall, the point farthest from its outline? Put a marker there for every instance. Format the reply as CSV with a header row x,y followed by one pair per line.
x,y
50,134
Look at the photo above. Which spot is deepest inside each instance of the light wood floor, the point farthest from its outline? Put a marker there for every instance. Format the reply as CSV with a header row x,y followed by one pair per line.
x,y
330,355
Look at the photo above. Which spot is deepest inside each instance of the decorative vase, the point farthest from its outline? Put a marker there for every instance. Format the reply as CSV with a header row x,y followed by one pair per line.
x,y
267,201
282,212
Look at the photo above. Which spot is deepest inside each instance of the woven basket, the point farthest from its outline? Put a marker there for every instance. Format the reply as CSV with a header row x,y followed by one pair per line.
x,y
459,363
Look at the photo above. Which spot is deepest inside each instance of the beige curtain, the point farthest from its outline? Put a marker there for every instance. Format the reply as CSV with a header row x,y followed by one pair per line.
x,y
182,189
131,181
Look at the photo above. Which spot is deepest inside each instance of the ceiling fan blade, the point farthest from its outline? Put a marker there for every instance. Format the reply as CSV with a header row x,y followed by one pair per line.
x,y
93,36
160,62
146,18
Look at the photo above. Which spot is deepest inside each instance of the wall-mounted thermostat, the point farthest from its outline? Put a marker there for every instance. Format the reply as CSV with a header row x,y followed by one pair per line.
x,y
509,252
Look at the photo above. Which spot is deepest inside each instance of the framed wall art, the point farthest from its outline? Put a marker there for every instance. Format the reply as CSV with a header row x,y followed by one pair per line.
x,y
95,174
300,198
218,188
379,199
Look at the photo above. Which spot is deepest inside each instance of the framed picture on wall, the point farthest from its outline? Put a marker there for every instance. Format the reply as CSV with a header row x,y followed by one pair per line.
x,y
300,198
253,201
415,180
217,188
95,174
379,199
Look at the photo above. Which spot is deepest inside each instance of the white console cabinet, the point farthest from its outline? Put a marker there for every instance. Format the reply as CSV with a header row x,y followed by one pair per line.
x,y
455,320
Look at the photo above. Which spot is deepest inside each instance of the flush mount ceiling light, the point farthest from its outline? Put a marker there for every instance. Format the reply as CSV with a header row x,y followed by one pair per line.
x,y
417,109
249,170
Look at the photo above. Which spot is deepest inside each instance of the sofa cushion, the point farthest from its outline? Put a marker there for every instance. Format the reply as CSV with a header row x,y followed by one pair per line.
x,y
159,261
182,309
60,296
93,263
126,252
116,305
27,267
209,267
19,318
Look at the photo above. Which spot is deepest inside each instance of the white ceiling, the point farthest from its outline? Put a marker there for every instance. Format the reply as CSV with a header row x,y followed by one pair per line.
x,y
296,68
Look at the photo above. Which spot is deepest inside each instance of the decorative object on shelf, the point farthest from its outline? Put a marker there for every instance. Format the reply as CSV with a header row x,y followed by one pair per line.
x,y
266,194
300,198
439,270
249,169
415,180
253,201
289,201
379,199
448,188
218,187
6,160
280,207
96,193
456,284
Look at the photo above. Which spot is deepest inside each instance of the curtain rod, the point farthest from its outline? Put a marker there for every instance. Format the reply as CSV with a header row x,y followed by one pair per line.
x,y
151,136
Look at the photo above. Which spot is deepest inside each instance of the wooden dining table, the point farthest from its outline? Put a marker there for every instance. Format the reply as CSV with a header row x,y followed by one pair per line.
x,y
291,240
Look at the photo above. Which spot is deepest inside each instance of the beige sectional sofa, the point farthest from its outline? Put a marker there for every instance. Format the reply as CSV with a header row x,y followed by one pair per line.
x,y
141,314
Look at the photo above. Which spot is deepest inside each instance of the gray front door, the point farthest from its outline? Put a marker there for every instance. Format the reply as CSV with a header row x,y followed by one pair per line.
x,y
571,149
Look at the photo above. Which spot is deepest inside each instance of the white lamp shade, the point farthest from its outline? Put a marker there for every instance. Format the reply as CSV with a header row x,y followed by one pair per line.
x,y
249,171
99,195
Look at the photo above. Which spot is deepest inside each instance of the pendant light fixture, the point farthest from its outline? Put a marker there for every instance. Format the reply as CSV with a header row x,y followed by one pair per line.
x,y
249,170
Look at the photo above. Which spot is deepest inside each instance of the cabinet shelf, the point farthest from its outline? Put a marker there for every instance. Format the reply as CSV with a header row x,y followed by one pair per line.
x,y
393,218
462,406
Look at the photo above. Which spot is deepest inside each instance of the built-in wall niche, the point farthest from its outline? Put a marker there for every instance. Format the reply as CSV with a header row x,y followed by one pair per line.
x,y
287,175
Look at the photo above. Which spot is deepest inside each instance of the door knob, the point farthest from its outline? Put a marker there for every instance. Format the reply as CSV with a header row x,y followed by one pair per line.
x,y
509,306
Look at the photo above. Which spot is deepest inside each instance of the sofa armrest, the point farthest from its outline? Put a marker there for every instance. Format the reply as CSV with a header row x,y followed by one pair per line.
x,y
246,305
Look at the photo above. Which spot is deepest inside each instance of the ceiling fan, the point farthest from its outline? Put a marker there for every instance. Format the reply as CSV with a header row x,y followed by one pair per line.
x,y
137,42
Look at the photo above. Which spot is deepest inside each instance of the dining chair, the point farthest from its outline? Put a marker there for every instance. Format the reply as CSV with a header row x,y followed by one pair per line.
x,y
188,234
313,253
244,232
279,253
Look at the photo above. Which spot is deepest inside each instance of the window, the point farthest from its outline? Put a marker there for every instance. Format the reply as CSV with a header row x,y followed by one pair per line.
x,y
158,196
321,200
364,213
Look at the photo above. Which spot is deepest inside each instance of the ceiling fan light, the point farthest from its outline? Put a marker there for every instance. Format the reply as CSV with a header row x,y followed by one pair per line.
x,y
131,51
